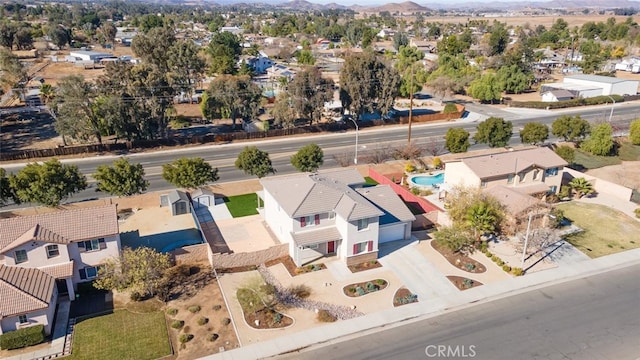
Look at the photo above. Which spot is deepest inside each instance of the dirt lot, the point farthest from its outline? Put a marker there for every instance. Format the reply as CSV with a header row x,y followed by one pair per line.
x,y
625,174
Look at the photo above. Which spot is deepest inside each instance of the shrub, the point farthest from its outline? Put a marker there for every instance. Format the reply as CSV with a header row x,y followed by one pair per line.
x,y
409,167
202,321
436,162
494,258
212,337
180,122
500,262
489,254
483,247
226,321
135,296
467,283
20,338
177,324
449,108
302,291
172,311
360,291
381,282
217,307
351,290
637,212
470,267
194,308
277,317
325,316
506,268
185,338
371,287
415,191
517,271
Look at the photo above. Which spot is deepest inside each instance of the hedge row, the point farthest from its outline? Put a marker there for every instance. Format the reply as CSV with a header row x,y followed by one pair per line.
x,y
567,103
20,338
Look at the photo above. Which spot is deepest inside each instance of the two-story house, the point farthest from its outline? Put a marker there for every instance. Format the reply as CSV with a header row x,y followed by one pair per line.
x,y
333,213
529,171
68,245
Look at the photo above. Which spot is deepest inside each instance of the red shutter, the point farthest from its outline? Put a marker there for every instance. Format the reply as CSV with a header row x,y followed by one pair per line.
x,y
303,221
355,249
317,218
370,246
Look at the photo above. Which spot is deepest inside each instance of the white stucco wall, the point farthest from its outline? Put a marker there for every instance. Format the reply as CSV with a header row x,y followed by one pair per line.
x,y
93,258
279,222
351,235
44,317
458,173
37,255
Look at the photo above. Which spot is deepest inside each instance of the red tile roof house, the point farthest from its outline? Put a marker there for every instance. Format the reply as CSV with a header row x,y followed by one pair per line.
x,y
67,246
332,213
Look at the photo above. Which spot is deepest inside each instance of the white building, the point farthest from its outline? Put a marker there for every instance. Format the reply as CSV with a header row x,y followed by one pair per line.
x,y
93,56
610,85
232,29
261,63
332,213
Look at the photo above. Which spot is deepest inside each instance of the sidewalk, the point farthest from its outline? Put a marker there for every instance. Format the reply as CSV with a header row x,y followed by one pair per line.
x,y
430,307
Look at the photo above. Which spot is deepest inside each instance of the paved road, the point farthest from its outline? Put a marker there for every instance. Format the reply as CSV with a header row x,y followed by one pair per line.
x,y
596,317
341,144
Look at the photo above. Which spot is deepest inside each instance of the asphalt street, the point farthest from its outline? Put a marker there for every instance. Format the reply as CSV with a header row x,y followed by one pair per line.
x,y
340,144
595,317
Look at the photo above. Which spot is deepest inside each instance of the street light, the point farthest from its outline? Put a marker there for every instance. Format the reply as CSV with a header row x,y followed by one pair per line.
x,y
526,241
355,158
612,105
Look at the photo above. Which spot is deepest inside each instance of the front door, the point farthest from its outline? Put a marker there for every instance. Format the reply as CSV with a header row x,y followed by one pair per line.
x,y
331,247
62,286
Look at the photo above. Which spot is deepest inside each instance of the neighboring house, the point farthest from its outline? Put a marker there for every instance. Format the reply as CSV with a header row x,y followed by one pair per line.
x,y
203,197
259,63
27,297
178,201
90,56
529,171
630,65
557,95
68,245
332,213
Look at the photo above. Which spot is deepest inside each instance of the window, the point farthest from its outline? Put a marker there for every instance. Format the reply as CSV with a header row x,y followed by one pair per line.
x,y
536,172
551,172
332,215
553,189
521,177
483,184
92,245
310,246
90,272
52,251
21,256
510,179
310,220
22,319
362,247
363,224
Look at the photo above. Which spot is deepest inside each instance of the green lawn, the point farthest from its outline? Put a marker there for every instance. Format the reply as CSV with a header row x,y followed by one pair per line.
x,y
370,181
589,161
242,205
629,152
121,335
606,230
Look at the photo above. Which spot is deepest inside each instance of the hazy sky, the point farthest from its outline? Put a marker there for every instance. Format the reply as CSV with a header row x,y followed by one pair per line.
x,y
420,2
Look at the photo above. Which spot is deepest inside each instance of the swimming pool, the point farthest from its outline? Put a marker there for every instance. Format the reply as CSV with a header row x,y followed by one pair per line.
x,y
427,180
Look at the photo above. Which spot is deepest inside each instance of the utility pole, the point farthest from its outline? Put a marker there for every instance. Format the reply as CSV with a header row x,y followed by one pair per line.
x,y
526,241
410,106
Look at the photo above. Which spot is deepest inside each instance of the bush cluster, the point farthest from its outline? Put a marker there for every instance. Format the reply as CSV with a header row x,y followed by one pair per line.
x,y
177,324
20,338
194,308
325,316
567,103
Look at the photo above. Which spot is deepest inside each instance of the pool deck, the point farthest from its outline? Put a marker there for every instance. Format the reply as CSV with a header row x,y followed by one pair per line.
x,y
433,174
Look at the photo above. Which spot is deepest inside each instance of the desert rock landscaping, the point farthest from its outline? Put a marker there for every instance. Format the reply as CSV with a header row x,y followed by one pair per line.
x,y
403,297
459,260
463,283
364,288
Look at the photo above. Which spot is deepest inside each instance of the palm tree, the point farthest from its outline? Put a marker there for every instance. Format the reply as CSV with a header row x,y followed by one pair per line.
x,y
482,218
47,93
581,187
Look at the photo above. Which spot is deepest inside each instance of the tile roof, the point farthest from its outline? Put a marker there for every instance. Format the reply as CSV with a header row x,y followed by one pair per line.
x,y
59,271
317,236
23,290
307,194
512,162
388,201
513,200
61,227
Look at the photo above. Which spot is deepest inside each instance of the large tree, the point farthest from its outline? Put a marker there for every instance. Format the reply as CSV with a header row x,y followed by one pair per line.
x,y
456,238
153,47
141,270
571,128
457,140
367,83
48,183
6,191
600,142
60,36
76,113
499,39
494,132
189,173
534,133
513,80
254,161
487,88
121,179
283,113
581,187
308,159
482,217
231,96
186,67
224,50
309,91
12,71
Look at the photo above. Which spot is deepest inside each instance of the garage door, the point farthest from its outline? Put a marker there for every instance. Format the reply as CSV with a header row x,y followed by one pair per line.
x,y
391,232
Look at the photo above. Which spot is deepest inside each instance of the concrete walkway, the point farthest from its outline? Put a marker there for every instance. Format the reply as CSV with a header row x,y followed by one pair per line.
x,y
430,307
59,345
